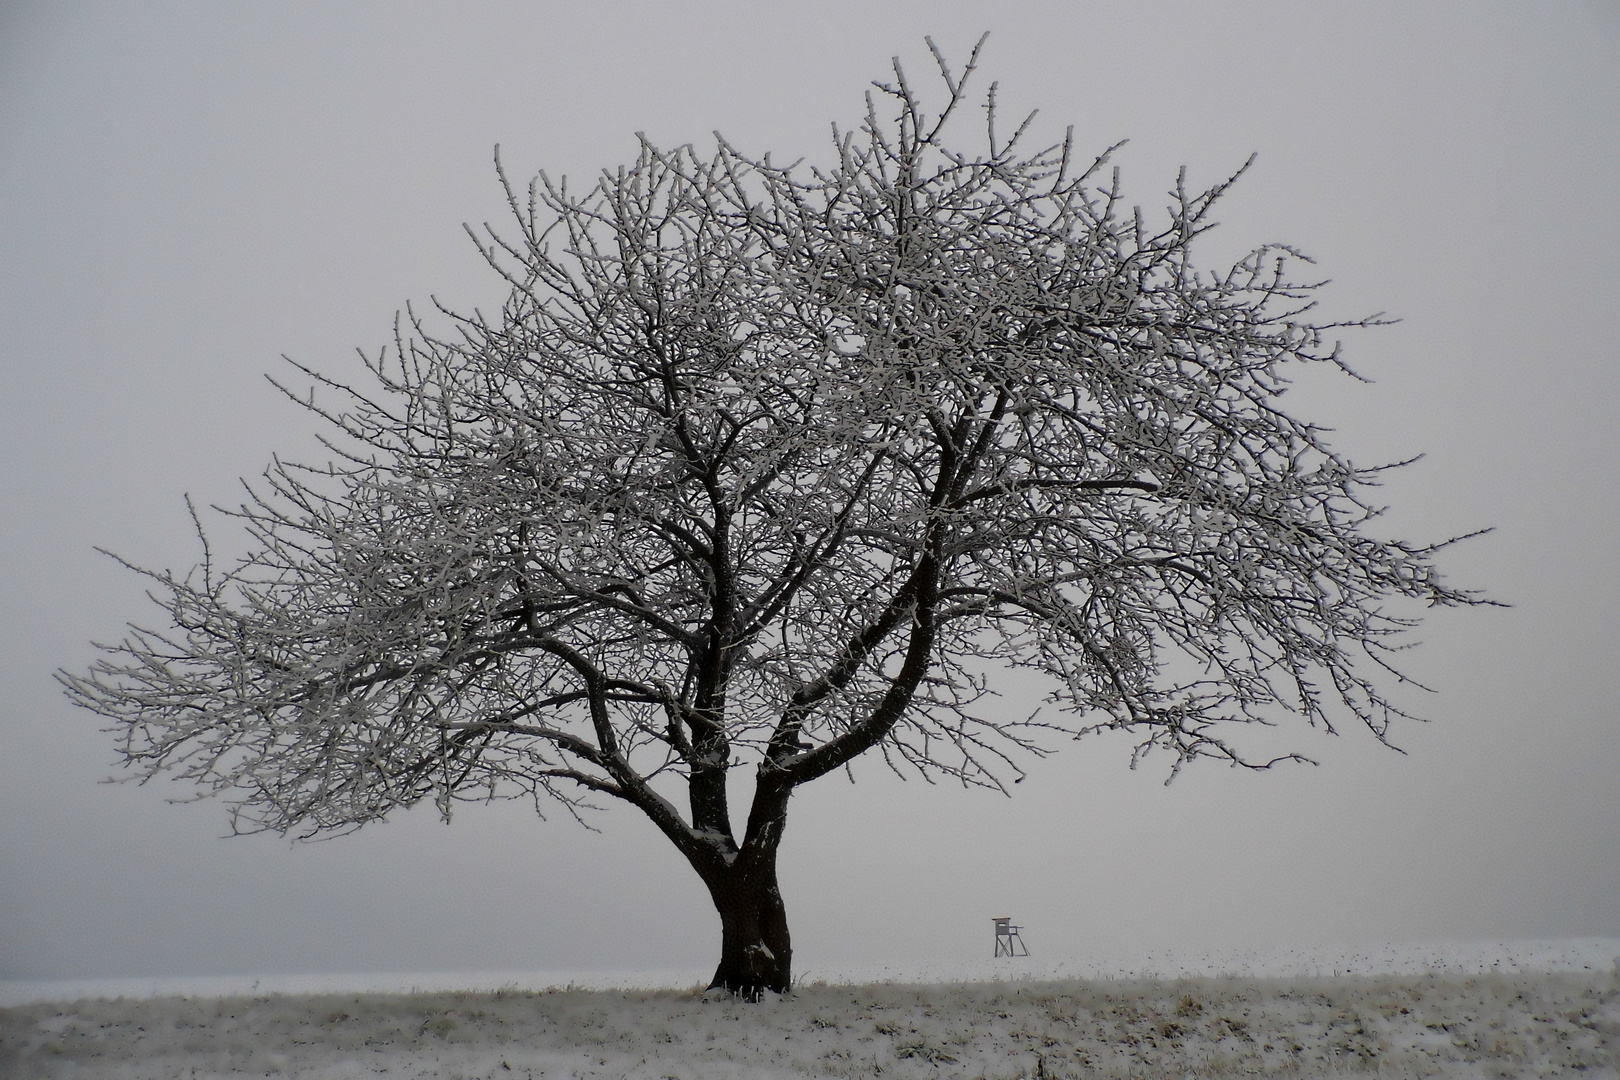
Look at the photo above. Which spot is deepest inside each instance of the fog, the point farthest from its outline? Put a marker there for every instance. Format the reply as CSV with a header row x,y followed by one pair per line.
x,y
190,191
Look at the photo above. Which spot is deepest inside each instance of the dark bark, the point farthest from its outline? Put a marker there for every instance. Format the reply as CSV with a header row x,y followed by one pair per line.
x,y
756,950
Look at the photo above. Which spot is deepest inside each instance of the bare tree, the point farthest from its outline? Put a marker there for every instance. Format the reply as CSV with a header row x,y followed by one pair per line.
x,y
763,467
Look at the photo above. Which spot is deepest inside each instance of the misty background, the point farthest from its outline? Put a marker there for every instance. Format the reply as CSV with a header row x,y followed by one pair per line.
x,y
190,190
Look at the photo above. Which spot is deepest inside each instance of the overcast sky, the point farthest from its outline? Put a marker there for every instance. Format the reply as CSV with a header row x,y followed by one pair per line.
x,y
189,191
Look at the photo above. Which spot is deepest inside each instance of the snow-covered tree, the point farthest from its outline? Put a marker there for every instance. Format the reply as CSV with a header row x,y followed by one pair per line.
x,y
767,468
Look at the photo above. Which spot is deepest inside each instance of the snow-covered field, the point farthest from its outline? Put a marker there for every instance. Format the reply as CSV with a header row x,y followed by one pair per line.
x,y
1517,1009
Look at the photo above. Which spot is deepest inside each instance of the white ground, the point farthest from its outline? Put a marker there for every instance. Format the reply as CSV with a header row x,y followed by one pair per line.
x,y
1477,1011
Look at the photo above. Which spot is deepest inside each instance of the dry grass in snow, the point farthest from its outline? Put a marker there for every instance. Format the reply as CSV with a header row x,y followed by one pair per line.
x,y
1527,1024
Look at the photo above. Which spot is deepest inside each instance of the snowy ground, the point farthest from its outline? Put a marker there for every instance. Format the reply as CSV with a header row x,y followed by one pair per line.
x,y
1526,1009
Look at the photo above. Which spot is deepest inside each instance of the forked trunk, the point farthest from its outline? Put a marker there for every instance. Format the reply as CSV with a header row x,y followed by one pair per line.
x,y
756,951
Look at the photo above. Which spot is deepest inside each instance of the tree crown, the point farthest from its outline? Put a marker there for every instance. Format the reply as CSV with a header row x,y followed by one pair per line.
x,y
780,465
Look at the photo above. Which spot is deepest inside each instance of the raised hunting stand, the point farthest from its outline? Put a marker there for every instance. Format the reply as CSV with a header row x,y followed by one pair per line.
x,y
1008,943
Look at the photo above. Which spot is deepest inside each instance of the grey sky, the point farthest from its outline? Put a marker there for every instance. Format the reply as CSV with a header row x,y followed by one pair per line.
x,y
188,191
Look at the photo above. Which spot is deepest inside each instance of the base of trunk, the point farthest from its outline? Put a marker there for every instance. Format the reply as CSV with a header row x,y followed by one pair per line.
x,y
756,952
759,971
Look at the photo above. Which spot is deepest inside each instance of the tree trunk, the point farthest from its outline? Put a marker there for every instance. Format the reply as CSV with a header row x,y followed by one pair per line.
x,y
756,951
